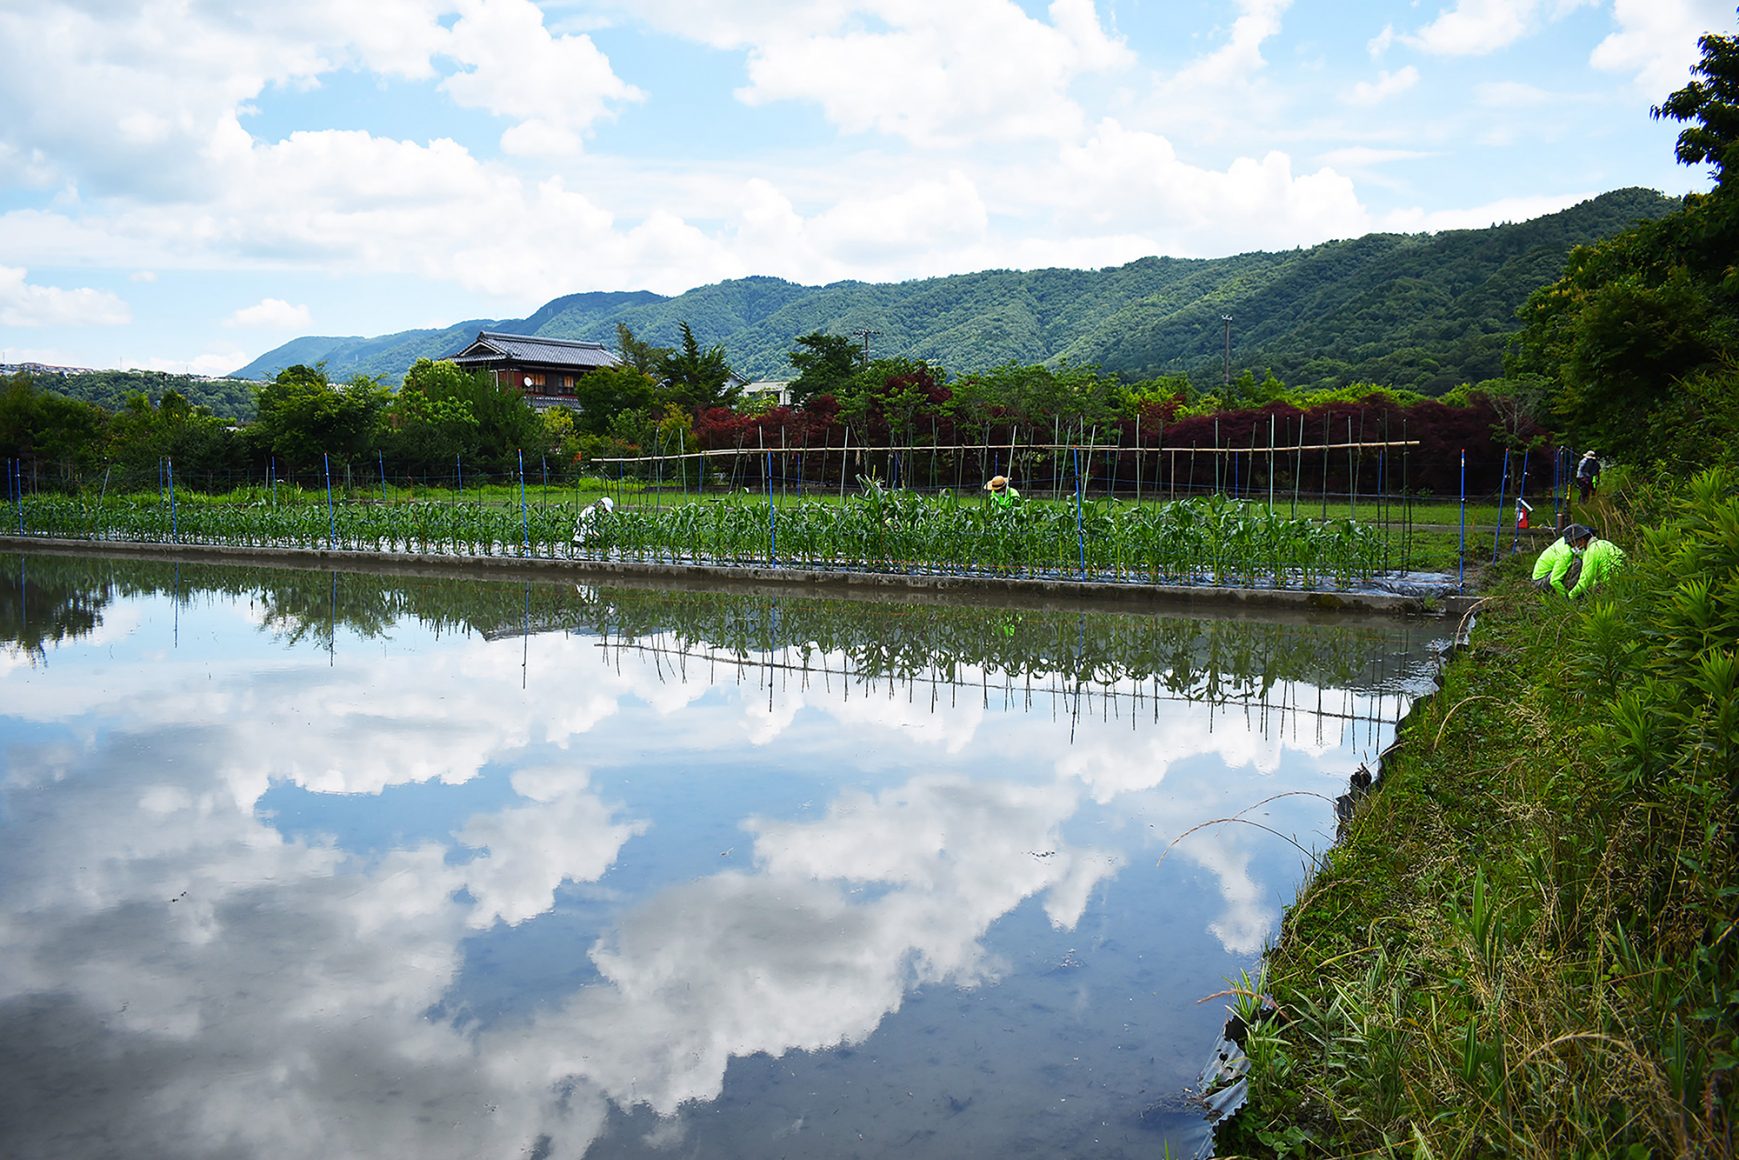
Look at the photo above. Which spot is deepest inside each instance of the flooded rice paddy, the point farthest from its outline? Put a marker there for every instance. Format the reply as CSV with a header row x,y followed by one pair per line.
x,y
317,864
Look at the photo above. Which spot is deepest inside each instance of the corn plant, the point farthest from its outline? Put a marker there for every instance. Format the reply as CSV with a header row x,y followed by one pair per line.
x,y
1213,541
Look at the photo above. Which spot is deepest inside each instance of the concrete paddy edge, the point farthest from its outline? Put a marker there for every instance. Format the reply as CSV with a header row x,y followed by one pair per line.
x,y
858,585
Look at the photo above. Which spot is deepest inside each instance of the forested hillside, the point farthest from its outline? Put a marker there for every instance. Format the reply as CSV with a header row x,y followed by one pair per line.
x,y
1419,311
227,398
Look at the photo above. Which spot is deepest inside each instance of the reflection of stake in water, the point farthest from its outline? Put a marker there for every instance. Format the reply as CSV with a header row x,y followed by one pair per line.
x,y
1269,706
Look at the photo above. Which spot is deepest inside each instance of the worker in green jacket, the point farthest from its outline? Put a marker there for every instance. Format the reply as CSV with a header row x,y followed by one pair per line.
x,y
1559,566
1002,492
1599,559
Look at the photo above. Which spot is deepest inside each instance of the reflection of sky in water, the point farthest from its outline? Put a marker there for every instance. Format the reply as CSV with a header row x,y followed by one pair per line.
x,y
439,895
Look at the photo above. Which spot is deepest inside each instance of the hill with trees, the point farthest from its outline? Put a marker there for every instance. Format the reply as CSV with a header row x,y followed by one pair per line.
x,y
227,398
1423,312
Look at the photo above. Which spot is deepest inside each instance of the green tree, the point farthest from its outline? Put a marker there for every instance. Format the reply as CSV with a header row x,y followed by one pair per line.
x,y
1637,319
1033,396
468,414
697,379
606,392
639,354
302,416
430,432
824,363
886,397
1711,104
561,435
46,431
199,444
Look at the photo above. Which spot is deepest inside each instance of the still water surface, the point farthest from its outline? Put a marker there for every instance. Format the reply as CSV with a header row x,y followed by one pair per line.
x,y
299,864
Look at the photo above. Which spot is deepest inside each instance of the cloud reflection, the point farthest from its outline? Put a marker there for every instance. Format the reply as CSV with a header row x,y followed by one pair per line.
x,y
294,997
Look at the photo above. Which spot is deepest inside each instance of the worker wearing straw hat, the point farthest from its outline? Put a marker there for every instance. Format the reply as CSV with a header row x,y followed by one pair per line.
x,y
1587,476
1002,492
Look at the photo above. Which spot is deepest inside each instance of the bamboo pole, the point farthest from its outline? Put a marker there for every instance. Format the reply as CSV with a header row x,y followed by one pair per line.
x,y
1369,445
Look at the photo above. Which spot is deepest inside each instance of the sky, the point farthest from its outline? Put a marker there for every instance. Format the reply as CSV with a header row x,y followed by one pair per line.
x,y
186,184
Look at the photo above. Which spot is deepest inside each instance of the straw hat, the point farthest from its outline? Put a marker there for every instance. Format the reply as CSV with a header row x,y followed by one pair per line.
x,y
1588,455
997,483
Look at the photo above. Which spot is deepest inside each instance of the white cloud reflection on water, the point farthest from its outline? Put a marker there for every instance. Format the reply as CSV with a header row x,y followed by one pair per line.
x,y
272,993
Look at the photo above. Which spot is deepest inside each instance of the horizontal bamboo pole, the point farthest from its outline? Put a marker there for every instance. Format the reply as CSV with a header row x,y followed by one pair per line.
x,y
1258,449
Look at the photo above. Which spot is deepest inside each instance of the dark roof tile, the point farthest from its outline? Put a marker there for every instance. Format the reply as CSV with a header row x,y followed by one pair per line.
x,y
491,345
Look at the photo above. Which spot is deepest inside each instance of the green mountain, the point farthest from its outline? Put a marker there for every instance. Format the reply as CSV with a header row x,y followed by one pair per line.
x,y
1420,311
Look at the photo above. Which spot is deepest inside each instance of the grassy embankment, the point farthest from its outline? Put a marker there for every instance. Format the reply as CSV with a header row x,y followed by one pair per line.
x,y
1526,943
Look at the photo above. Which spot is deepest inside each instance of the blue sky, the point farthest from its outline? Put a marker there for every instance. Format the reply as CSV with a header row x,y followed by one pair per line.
x,y
184,186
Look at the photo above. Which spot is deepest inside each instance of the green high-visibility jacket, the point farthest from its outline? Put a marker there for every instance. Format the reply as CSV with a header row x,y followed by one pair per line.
x,y
1554,562
1005,498
1599,559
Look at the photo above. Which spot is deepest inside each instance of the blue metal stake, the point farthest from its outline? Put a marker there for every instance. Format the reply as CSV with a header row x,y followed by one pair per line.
x,y
1497,528
17,488
331,517
174,524
1521,505
380,458
459,474
524,517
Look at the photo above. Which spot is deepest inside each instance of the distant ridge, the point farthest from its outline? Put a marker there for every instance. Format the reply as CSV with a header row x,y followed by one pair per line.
x,y
1420,311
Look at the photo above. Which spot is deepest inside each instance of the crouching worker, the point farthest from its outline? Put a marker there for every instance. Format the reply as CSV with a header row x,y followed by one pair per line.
x,y
1560,565
1576,562
588,527
1600,558
1002,492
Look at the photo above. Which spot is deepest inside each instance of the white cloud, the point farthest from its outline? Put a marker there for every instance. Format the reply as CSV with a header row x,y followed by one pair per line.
x,y
1513,209
920,215
272,313
25,304
933,74
1137,178
555,86
1221,94
566,835
1387,84
1476,27
141,102
1656,40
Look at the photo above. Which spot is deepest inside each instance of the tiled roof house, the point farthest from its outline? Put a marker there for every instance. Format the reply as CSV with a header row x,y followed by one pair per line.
x,y
545,369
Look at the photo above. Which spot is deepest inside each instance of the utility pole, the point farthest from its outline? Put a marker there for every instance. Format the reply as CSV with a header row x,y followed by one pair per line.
x,y
1227,319
866,334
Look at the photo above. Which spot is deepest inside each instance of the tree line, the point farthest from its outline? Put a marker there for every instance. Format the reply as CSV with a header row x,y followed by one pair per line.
x,y
444,421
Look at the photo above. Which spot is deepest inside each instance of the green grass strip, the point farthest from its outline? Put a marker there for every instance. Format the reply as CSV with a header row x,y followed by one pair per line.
x,y
1526,943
